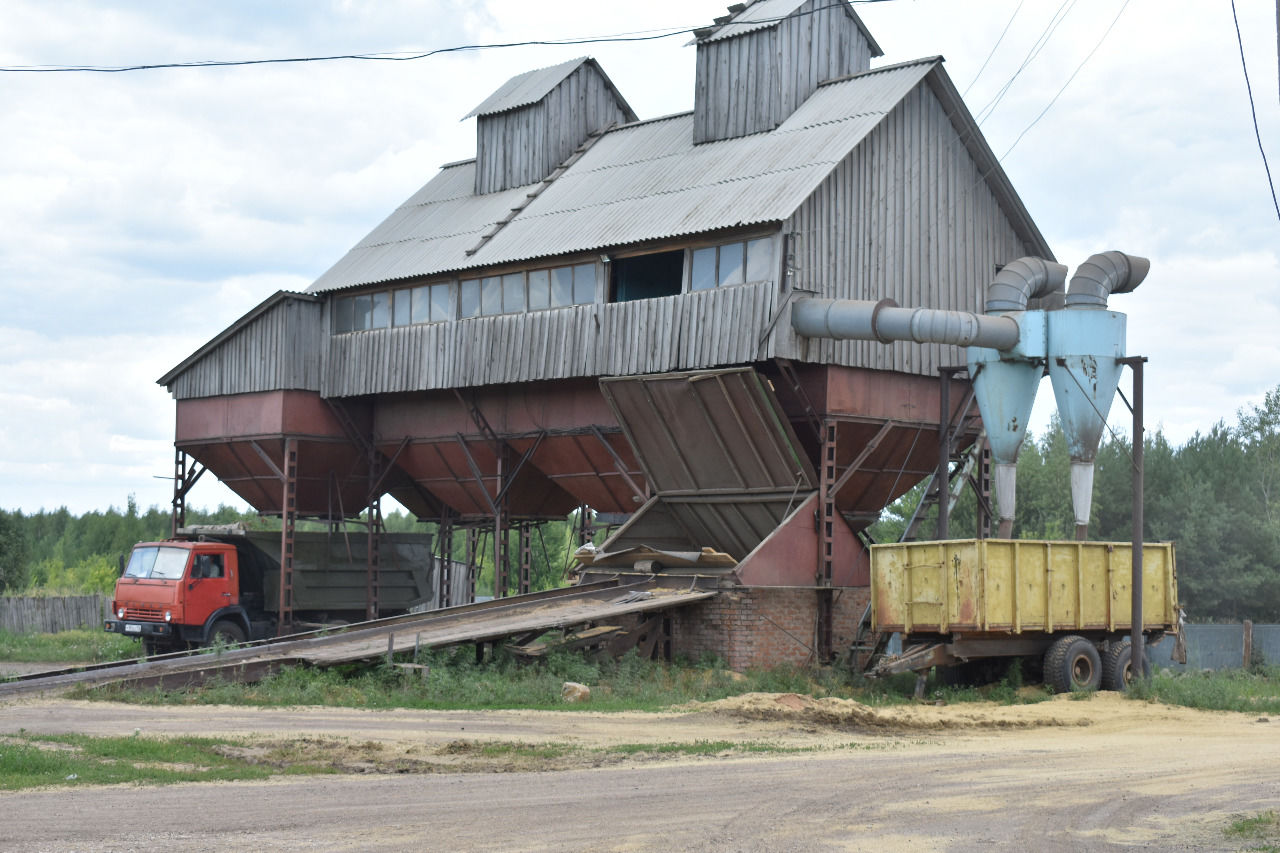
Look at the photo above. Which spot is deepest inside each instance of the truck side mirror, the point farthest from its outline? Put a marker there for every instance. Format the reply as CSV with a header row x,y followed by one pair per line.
x,y
121,565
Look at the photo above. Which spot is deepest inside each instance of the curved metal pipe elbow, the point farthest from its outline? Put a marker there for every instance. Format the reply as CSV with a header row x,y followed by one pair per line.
x,y
1104,274
1022,280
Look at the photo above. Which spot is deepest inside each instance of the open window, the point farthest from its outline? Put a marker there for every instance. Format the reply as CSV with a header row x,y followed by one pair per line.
x,y
647,276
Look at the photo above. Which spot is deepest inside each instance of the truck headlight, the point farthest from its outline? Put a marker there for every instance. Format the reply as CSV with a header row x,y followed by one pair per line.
x,y
120,613
168,617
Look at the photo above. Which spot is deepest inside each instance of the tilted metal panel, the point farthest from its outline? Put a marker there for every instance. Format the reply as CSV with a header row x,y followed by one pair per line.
x,y
709,431
766,13
645,181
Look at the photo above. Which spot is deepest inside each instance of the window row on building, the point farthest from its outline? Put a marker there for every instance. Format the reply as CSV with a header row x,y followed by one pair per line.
x,y
639,277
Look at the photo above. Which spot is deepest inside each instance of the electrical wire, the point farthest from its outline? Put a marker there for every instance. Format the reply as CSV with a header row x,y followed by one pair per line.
x,y
410,56
994,48
1253,110
1054,99
1058,17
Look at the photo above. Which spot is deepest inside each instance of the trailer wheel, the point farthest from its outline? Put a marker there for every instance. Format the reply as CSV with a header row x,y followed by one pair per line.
x,y
1072,663
225,633
1117,673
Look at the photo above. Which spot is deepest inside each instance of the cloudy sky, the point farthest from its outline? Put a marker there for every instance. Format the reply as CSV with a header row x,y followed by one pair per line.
x,y
143,212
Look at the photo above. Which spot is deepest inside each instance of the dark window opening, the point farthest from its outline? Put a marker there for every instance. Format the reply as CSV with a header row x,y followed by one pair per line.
x,y
647,276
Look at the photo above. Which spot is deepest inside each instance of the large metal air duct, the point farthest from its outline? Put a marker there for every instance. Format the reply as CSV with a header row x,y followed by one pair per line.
x,y
1104,274
884,321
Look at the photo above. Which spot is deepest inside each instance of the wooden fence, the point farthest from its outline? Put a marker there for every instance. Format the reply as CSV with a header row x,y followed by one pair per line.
x,y
51,614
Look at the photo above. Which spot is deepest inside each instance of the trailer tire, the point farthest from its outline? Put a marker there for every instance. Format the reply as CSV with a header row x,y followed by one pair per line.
x,y
1116,671
1072,663
225,633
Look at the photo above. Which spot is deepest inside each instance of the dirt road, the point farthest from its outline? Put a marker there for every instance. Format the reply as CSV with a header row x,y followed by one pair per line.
x,y
1099,774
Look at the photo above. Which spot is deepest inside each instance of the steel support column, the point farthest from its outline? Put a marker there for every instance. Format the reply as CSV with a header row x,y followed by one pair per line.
x,y
373,565
826,541
526,557
185,476
1137,654
473,555
288,520
444,546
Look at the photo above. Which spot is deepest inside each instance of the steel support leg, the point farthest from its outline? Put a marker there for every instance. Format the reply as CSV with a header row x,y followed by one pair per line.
x,y
288,520
826,541
373,564
526,557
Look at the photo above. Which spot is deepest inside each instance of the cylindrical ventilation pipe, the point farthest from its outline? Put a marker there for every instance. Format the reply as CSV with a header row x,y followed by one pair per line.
x,y
1012,367
1086,342
1005,381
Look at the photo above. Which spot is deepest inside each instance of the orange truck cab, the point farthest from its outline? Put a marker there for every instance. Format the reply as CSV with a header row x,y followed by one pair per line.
x,y
184,594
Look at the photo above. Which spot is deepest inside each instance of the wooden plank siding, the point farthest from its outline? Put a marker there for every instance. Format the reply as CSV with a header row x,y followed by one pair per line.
x,y
908,216
705,329
523,146
751,82
280,349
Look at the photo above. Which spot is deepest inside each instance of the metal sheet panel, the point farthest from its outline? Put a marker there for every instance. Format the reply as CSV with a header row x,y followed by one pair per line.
x,y
527,88
709,431
766,13
1017,586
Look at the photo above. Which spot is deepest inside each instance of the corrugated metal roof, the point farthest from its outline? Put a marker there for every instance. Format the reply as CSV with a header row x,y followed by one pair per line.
x,y
768,13
643,181
527,88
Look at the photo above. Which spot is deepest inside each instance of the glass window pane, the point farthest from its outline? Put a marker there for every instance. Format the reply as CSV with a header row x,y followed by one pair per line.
x,y
731,263
490,295
702,274
343,313
469,297
513,293
381,309
400,315
364,311
561,286
584,284
539,289
760,260
421,305
441,303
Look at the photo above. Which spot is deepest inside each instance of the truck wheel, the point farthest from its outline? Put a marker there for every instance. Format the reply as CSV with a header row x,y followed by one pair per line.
x,y
224,633
1072,663
1116,671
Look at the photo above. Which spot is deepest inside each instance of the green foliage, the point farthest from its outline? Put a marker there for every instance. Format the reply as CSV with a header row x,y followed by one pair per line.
x,y
77,646
13,552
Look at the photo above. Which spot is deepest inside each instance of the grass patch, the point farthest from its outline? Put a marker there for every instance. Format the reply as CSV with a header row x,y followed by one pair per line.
x,y
1264,827
79,646
32,761
1251,692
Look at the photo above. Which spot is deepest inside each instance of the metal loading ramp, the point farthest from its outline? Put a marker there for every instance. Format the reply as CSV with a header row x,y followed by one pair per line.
x,y
490,621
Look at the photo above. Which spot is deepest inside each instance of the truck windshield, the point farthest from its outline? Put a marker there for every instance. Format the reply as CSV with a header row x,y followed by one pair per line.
x,y
157,562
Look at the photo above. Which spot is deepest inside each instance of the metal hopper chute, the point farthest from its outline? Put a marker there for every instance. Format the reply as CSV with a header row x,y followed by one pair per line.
x,y
721,458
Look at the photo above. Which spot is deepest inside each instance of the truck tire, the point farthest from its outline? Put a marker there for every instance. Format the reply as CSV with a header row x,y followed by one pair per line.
x,y
225,633
1072,663
1116,672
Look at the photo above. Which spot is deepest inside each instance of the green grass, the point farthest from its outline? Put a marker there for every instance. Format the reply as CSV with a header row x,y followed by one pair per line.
x,y
31,761
1264,827
78,646
1256,691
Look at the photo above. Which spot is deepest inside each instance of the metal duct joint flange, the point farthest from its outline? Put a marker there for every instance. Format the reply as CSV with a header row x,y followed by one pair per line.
x,y
1104,274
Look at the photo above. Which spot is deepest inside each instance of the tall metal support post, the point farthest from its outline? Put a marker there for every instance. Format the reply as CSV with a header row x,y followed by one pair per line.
x,y
473,557
943,478
185,475
826,541
373,565
526,557
1137,652
288,519
444,545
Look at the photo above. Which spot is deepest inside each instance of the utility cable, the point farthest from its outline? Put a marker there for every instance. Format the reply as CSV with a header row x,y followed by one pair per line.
x,y
1059,16
1253,110
994,48
409,56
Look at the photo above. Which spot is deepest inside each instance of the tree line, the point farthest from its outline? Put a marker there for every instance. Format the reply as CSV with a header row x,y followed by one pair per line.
x,y
1216,497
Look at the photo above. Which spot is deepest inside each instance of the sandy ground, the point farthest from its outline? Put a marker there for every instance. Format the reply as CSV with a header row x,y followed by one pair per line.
x,y
1098,774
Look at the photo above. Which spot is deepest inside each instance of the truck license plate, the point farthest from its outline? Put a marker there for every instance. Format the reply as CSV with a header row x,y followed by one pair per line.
x,y
132,628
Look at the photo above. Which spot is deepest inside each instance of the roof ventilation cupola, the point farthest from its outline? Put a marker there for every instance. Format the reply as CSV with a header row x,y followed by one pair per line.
x,y
535,120
763,59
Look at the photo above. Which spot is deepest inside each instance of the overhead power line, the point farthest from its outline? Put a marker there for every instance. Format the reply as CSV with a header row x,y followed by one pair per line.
x,y
994,48
409,56
1253,110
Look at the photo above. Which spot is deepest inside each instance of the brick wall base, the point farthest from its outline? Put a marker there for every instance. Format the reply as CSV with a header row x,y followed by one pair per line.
x,y
764,626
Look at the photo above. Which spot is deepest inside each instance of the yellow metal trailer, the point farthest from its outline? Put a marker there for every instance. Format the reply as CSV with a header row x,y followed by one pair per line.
x,y
962,600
